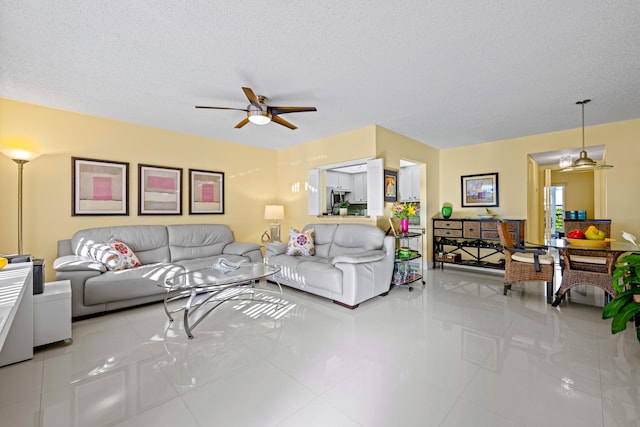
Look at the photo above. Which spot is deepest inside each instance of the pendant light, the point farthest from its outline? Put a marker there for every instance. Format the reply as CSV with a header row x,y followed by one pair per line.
x,y
584,163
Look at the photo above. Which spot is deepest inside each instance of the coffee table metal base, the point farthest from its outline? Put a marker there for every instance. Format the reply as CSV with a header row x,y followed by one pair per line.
x,y
201,302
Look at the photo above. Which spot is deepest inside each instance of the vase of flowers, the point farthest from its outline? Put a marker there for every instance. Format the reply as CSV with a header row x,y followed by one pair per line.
x,y
404,211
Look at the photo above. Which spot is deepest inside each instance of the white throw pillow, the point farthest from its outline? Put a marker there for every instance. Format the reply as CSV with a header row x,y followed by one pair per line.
x,y
129,259
301,243
105,255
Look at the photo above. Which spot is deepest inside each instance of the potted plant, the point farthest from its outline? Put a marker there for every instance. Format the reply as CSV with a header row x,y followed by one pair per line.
x,y
626,304
344,208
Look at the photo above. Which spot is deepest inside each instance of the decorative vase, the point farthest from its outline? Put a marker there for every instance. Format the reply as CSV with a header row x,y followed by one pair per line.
x,y
404,225
343,211
446,211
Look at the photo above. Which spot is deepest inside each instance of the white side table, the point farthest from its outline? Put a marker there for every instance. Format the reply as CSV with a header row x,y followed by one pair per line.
x,y
52,313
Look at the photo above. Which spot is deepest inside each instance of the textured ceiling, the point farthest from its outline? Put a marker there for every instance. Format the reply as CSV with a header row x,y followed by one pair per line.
x,y
446,73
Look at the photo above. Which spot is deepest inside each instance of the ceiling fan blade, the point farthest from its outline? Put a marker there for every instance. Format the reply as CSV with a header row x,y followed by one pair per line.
x,y
283,122
221,108
253,99
284,110
242,123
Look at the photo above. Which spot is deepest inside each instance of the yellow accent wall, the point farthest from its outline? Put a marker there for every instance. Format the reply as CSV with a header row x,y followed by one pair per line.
x,y
579,190
294,163
509,159
250,178
255,177
393,147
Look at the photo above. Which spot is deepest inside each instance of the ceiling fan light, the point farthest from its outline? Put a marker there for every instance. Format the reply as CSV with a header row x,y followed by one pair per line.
x,y
259,117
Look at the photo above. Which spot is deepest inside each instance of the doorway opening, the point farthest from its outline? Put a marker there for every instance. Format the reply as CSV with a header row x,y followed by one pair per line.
x,y
556,206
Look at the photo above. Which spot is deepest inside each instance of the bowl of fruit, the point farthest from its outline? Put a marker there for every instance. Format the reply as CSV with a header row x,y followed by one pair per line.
x,y
592,238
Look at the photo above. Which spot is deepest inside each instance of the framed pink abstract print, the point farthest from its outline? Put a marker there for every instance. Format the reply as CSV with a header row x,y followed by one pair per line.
x,y
99,187
206,192
159,190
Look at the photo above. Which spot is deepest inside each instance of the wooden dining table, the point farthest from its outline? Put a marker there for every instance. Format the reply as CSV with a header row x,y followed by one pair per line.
x,y
588,265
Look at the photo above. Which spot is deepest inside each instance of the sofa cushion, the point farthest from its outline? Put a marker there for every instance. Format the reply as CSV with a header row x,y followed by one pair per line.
x,y
320,273
190,241
322,237
149,242
301,243
353,238
127,284
317,272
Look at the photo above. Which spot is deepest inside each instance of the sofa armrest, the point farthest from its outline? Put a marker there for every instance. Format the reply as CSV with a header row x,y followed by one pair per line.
x,y
275,248
359,258
240,248
77,263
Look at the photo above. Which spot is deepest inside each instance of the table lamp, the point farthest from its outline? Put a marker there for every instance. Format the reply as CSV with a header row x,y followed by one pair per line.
x,y
274,212
20,157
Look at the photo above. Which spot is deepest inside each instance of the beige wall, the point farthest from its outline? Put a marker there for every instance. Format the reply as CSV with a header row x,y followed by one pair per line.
x,y
250,178
579,190
509,159
295,162
393,147
255,177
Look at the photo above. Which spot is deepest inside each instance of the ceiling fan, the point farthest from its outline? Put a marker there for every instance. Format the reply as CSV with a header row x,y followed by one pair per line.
x,y
258,112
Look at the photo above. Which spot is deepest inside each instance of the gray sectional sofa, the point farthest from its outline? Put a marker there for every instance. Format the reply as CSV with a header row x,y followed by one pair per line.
x,y
352,263
163,252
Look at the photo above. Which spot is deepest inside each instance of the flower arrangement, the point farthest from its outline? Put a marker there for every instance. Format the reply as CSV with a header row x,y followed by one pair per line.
x,y
405,210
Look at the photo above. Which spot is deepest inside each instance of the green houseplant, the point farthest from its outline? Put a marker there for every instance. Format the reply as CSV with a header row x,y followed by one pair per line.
x,y
344,208
626,304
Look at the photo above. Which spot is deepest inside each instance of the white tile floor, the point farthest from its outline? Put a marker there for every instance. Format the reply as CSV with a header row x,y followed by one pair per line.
x,y
455,353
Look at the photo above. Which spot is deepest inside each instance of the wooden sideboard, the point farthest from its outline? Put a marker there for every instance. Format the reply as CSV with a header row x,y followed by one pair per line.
x,y
472,242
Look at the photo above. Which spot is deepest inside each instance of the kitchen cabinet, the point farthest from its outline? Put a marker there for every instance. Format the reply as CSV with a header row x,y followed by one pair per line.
x,y
359,194
472,242
409,178
339,181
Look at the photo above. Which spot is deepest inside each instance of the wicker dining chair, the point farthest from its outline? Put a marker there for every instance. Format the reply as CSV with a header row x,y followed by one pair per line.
x,y
587,267
525,263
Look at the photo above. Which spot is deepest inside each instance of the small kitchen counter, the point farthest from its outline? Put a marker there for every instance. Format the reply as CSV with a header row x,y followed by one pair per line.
x,y
364,219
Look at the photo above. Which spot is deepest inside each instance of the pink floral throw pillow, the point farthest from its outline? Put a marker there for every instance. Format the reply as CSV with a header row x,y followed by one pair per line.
x,y
301,243
129,259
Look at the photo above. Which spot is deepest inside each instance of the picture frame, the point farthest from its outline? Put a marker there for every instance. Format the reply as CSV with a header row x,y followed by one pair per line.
x,y
390,185
99,187
159,190
206,192
480,190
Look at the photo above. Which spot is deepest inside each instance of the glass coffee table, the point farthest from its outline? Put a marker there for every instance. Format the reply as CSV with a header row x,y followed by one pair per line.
x,y
207,288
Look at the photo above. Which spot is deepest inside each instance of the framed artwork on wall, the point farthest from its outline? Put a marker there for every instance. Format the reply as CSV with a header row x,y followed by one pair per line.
x,y
99,187
390,186
159,190
206,192
479,190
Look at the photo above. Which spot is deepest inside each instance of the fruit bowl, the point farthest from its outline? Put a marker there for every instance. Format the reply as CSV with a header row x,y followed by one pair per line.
x,y
588,244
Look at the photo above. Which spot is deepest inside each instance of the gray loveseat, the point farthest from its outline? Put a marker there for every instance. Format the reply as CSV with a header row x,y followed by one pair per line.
x,y
163,252
352,263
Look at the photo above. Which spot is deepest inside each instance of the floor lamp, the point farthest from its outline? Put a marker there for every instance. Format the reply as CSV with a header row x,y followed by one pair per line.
x,y
274,212
20,157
